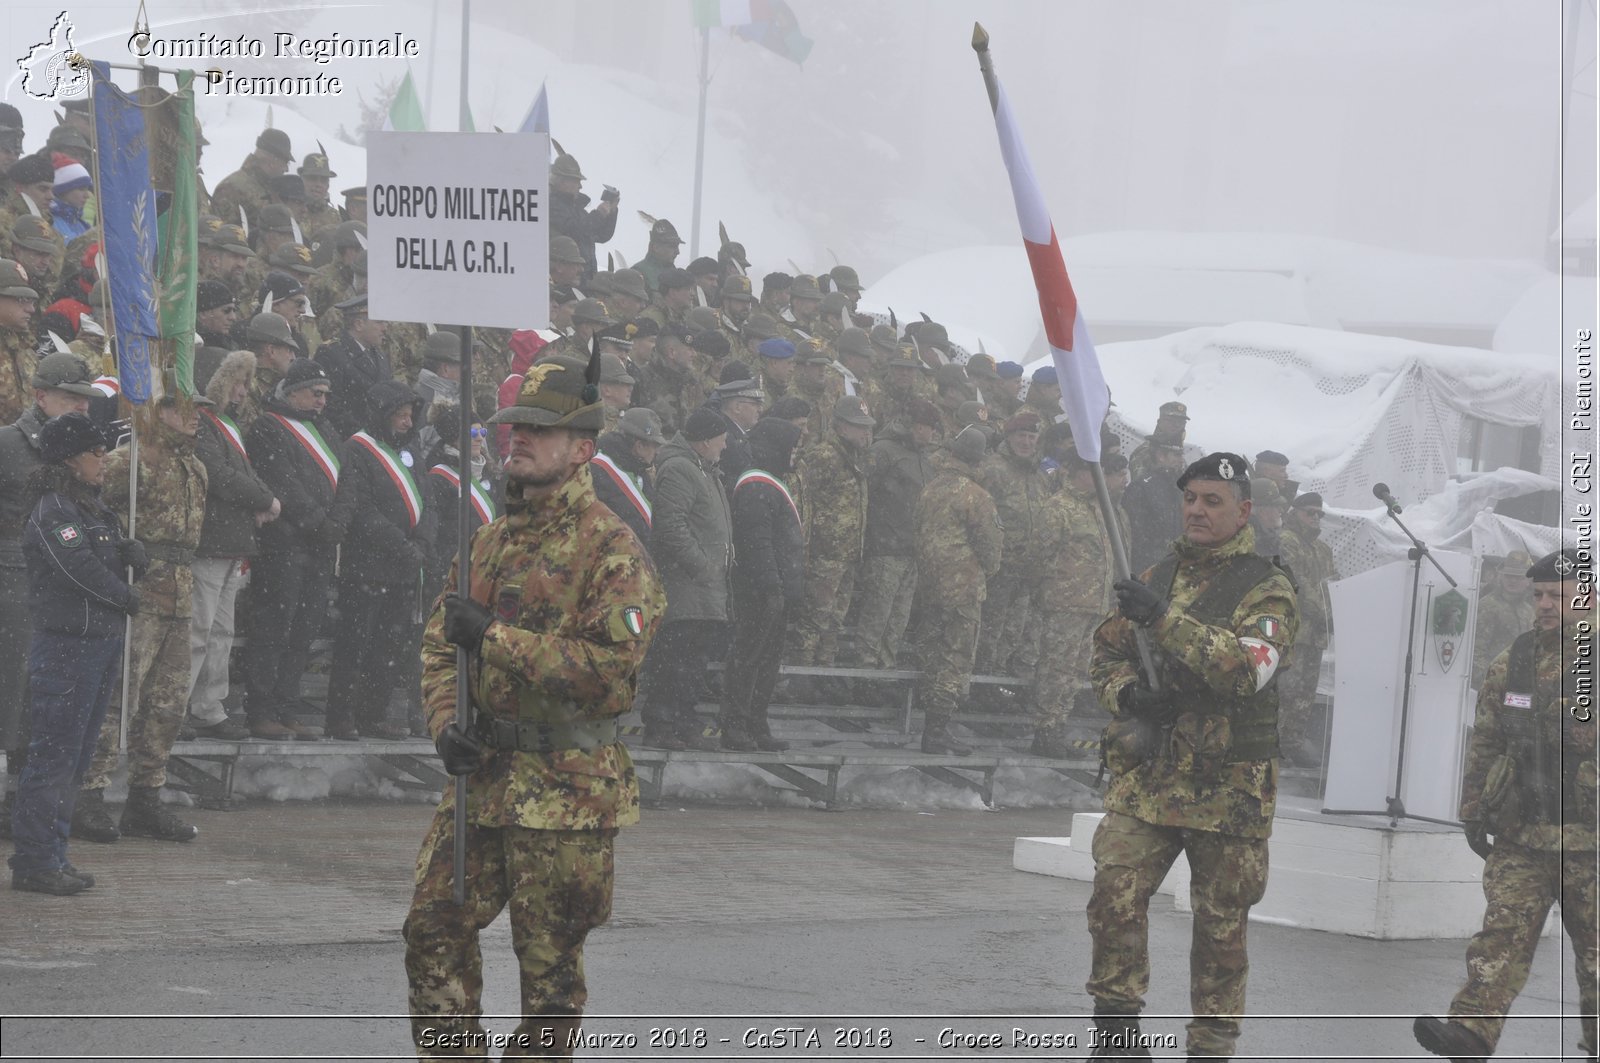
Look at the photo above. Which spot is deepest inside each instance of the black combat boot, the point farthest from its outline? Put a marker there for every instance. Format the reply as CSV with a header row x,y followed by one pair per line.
x,y
145,817
6,805
761,731
1449,1039
1116,1037
736,737
90,820
55,882
936,738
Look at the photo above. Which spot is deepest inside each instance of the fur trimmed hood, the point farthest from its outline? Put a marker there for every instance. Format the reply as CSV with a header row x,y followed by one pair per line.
x,y
238,367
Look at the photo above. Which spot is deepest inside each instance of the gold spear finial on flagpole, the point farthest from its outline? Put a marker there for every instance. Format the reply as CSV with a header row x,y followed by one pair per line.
x,y
980,38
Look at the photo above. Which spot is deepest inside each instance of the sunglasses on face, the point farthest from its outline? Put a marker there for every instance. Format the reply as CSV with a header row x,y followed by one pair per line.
x,y
480,433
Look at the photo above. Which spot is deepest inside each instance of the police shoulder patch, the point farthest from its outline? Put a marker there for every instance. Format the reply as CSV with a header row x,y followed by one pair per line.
x,y
69,535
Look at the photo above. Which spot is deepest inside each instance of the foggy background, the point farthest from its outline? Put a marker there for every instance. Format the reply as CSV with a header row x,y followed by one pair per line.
x,y
1426,126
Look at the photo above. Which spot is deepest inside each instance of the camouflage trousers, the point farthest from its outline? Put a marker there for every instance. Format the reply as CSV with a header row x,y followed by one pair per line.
x,y
888,584
830,585
1520,885
557,884
1297,706
1065,641
1008,642
1228,874
950,643
159,673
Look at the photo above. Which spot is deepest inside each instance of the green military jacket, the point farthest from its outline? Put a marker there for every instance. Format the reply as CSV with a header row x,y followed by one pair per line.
x,y
958,534
242,188
172,511
1075,575
832,481
1021,493
576,602
1311,561
1499,787
18,361
1201,663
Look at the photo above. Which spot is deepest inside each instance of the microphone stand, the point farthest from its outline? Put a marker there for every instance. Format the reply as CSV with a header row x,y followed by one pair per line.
x,y
1396,809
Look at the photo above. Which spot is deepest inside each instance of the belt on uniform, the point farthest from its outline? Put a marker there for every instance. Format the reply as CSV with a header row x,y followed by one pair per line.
x,y
174,555
537,736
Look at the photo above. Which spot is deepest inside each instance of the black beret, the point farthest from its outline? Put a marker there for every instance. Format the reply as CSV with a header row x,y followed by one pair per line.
x,y
210,294
1271,457
712,344
1309,500
1563,564
1229,468
735,371
644,326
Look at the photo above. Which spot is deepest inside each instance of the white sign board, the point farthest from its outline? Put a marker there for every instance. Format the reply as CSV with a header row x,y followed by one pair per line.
x,y
458,228
1370,612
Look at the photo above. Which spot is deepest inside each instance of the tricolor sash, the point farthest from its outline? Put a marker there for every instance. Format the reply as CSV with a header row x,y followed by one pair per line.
x,y
229,430
315,445
761,476
626,484
480,498
399,475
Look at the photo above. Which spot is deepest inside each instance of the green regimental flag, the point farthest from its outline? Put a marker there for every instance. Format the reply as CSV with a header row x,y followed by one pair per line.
x,y
405,110
174,168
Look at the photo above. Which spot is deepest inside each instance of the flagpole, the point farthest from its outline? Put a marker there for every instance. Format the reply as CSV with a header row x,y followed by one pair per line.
x,y
1108,513
464,115
700,140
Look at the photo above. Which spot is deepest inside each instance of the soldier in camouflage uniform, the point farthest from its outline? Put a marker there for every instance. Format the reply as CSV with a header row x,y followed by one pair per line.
x,y
959,541
563,604
854,350
1073,596
588,318
226,257
274,230
337,279
1193,767
675,298
18,355
817,383
1003,392
736,304
36,244
775,294
1011,475
1504,612
1530,781
670,382
172,510
777,367
832,474
805,305
317,215
1172,422
1310,561
901,377
250,186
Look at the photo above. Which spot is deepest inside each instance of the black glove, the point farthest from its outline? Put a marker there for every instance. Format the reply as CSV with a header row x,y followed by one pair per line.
x,y
1139,603
132,608
1136,699
465,621
462,754
1478,838
132,554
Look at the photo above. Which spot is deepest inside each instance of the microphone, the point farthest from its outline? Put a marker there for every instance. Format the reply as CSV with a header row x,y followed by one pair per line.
x,y
1380,491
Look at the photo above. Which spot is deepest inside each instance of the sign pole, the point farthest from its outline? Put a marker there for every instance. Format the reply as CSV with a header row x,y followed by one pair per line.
x,y
463,588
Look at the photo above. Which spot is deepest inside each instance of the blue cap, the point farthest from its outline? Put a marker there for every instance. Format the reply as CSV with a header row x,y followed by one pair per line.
x,y
1045,374
776,348
1008,370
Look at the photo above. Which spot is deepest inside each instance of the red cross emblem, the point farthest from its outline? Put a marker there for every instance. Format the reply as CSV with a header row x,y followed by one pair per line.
x,y
1260,655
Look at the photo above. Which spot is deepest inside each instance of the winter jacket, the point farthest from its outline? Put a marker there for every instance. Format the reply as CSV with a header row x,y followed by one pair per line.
x,y
768,543
691,534
352,371
959,537
19,457
443,490
234,493
76,585
614,463
1021,493
897,471
586,227
297,479
380,503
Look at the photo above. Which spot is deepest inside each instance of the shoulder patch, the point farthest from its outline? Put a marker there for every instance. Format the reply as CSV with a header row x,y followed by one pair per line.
x,y
69,535
627,624
1269,627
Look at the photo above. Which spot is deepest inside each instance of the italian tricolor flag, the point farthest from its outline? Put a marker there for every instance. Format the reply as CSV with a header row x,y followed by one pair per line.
x,y
769,23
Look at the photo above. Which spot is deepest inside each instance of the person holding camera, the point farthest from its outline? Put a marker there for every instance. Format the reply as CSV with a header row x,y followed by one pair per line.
x,y
80,598
568,216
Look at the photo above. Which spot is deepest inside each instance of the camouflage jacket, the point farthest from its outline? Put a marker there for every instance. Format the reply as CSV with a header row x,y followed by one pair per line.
x,y
833,488
1201,660
261,395
576,602
1311,562
18,360
1076,572
1142,462
242,188
1510,725
1021,494
820,424
673,393
959,537
171,514
1500,620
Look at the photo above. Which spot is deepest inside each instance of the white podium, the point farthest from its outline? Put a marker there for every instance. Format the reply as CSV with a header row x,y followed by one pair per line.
x,y
1370,613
